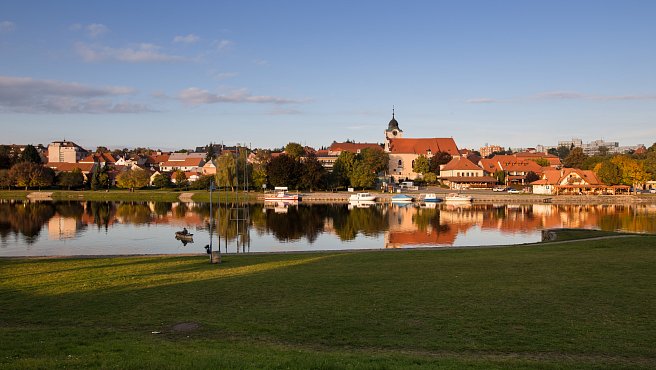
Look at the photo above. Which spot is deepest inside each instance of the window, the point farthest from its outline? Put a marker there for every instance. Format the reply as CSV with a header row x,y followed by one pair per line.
x,y
400,163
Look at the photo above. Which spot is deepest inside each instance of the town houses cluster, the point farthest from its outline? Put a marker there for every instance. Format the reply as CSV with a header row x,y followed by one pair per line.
x,y
489,167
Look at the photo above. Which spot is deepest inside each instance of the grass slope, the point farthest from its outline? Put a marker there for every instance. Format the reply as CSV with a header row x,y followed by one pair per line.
x,y
584,304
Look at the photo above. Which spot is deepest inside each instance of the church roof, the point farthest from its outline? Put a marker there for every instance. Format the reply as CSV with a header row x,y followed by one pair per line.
x,y
393,124
423,145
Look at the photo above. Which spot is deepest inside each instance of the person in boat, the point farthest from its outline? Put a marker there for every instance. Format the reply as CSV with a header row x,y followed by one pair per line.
x,y
184,231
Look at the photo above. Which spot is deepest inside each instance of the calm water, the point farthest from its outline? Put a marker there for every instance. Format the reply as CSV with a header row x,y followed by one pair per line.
x,y
114,228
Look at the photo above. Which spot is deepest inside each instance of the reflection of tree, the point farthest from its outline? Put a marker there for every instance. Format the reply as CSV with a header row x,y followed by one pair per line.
x,y
180,211
348,223
25,218
162,208
70,209
134,213
299,221
425,217
101,212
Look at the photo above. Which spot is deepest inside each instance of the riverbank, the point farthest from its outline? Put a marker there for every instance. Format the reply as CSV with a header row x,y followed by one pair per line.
x,y
584,304
479,196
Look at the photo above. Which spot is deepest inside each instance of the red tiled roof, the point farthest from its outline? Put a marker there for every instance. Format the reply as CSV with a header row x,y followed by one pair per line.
x,y
460,164
352,147
555,177
99,157
471,179
68,167
188,162
510,163
423,145
161,158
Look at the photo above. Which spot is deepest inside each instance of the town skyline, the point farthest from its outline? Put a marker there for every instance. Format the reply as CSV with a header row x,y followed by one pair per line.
x,y
172,76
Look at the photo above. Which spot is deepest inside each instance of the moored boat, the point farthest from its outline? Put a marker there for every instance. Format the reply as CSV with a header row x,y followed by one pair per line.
x,y
359,197
458,198
282,196
430,198
402,198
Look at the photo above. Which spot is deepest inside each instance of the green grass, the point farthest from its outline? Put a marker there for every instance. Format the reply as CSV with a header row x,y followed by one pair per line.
x,y
578,234
584,304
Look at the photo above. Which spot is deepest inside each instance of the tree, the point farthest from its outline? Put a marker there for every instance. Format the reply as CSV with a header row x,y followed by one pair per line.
x,y
203,182
30,154
633,172
430,177
362,176
71,179
376,159
313,173
102,149
226,168
180,178
531,176
5,157
575,158
563,152
421,165
541,161
132,179
294,150
439,159
284,171
553,151
210,152
5,180
161,181
28,174
608,172
500,176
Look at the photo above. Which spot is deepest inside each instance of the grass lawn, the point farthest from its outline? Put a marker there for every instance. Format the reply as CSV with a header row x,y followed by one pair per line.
x,y
583,304
126,195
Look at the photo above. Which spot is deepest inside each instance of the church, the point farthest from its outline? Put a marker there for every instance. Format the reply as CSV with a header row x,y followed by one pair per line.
x,y
404,151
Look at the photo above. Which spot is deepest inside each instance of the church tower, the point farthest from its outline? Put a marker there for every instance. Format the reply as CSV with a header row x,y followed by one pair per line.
x,y
393,131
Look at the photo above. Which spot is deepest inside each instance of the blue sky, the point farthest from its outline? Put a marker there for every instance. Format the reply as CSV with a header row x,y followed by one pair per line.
x,y
179,74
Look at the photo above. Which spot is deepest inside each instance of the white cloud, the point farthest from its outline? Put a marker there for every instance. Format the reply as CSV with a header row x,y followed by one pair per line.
x,y
224,44
28,95
94,30
573,95
187,39
7,26
278,111
141,53
196,96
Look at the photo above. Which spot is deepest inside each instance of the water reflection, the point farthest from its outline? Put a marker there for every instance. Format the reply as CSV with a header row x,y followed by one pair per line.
x,y
259,227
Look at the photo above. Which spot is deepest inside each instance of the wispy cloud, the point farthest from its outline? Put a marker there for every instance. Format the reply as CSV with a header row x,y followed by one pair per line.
x,y
279,111
563,95
223,45
482,101
196,96
7,26
28,95
92,30
261,62
142,53
573,95
224,75
186,39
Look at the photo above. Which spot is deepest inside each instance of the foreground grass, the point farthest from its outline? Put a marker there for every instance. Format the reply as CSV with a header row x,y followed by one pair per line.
x,y
578,234
584,304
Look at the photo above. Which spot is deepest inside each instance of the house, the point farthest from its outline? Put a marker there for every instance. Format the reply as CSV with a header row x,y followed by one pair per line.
x,y
336,148
86,168
190,163
404,151
515,169
101,159
553,160
65,152
573,181
155,161
209,168
461,173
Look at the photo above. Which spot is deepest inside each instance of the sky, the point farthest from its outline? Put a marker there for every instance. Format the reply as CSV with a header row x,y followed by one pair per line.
x,y
173,74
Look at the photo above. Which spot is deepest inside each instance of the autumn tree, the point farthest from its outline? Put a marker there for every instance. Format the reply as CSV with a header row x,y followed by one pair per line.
x,y
5,180
72,179
28,174
133,179
162,181
376,159
608,172
226,171
180,178
575,158
362,176
260,176
294,150
633,171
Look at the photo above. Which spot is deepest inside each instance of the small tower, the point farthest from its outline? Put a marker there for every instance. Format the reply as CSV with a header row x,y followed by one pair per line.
x,y
393,131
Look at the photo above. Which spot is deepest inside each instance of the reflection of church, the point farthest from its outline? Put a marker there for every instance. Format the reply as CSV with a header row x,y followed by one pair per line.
x,y
404,151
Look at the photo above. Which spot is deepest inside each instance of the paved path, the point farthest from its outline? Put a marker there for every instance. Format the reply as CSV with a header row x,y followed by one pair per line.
x,y
40,195
186,197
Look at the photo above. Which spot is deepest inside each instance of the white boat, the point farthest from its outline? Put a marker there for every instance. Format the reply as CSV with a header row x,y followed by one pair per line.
x,y
458,198
358,197
361,204
402,198
430,198
282,196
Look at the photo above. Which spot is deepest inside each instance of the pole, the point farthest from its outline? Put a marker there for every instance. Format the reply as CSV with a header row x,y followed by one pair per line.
x,y
215,256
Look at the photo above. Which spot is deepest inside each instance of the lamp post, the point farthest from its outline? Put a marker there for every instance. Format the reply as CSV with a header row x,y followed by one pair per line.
x,y
215,256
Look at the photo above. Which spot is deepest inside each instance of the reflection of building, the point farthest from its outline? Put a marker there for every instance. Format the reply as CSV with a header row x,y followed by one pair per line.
x,y
63,227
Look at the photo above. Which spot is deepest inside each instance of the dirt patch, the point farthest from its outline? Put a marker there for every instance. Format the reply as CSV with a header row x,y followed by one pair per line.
x,y
186,197
185,327
40,195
